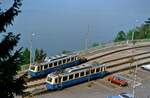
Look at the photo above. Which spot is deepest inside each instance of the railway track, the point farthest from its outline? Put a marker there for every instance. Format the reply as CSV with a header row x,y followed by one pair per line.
x,y
143,57
127,59
118,47
32,80
127,66
102,54
124,62
35,83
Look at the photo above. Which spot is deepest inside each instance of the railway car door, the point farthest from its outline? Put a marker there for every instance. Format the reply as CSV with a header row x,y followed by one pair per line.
x,y
88,73
40,70
59,83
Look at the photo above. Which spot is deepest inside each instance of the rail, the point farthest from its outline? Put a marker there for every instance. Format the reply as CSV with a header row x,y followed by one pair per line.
x,y
111,44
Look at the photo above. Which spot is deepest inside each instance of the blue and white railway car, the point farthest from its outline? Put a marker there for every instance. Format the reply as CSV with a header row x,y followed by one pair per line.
x,y
75,75
55,64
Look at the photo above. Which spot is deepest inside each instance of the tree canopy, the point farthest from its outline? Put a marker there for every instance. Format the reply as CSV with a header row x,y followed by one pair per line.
x,y
40,55
26,56
140,32
10,58
66,51
95,44
121,36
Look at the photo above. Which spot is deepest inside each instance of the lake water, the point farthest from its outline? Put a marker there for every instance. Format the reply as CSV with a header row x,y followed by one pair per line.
x,y
63,24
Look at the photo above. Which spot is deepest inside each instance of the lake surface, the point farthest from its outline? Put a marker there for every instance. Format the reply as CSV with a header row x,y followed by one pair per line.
x,y
63,24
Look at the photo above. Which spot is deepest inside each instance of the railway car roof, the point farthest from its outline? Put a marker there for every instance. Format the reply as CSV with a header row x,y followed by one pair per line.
x,y
81,67
56,58
74,69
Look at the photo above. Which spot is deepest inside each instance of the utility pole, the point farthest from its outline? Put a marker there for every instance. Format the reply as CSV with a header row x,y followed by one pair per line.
x,y
135,72
135,79
32,34
86,38
133,36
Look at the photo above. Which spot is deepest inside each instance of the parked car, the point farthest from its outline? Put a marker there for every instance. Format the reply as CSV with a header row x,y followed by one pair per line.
x,y
117,80
146,67
122,95
126,95
114,97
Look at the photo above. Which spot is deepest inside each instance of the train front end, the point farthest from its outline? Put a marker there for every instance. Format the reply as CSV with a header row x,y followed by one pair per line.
x,y
33,71
51,83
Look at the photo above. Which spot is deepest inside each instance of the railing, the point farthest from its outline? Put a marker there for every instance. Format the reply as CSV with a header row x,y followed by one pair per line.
x,y
24,67
111,44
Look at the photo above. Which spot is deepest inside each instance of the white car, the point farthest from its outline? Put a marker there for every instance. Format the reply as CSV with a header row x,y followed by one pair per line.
x,y
146,67
122,95
126,95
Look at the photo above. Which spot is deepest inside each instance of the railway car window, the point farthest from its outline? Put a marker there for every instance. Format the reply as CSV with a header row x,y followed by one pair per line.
x,y
87,72
100,68
60,62
72,59
77,58
50,65
97,69
82,74
68,59
55,63
64,61
39,68
93,70
32,68
45,66
104,68
70,77
64,78
56,80
76,75
49,79
59,80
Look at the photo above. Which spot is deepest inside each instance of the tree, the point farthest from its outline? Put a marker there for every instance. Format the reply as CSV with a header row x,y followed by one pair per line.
x,y
95,44
140,32
121,36
147,25
10,58
129,34
40,55
66,51
26,56
148,35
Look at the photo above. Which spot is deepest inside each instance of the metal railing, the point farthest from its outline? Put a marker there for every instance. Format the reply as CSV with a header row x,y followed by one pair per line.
x,y
111,44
